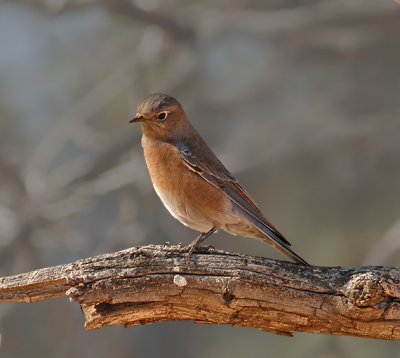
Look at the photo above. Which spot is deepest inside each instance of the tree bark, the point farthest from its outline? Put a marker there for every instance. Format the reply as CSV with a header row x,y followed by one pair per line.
x,y
155,283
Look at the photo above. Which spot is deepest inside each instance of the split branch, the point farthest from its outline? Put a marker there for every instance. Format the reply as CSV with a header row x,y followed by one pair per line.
x,y
154,283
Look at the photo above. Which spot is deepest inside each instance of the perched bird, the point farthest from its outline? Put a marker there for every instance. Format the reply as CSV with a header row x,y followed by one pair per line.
x,y
192,183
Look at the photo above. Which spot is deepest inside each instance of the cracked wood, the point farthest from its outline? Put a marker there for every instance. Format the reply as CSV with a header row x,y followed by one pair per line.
x,y
154,283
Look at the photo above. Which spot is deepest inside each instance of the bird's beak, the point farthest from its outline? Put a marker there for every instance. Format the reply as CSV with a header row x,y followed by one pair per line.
x,y
137,118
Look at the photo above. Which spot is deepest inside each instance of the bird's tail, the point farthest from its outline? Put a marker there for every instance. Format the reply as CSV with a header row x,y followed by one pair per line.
x,y
274,238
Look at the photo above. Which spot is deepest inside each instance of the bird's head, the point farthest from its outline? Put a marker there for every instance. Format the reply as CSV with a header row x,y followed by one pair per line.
x,y
161,116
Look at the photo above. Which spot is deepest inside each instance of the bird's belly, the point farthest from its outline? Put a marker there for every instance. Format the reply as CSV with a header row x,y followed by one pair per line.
x,y
182,211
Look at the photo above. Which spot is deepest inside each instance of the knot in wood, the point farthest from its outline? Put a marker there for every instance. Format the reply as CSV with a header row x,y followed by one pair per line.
x,y
228,297
364,290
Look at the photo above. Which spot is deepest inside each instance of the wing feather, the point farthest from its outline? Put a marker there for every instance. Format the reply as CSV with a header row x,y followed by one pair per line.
x,y
210,168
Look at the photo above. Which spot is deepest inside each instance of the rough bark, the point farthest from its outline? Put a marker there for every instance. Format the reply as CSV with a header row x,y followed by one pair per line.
x,y
154,283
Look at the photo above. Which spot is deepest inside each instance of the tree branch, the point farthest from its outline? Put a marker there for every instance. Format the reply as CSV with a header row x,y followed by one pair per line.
x,y
154,283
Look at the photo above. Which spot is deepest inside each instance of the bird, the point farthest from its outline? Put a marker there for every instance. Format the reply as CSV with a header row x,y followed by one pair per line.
x,y
192,182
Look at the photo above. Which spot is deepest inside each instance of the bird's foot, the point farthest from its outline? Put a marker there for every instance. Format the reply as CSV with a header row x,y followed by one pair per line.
x,y
196,243
191,249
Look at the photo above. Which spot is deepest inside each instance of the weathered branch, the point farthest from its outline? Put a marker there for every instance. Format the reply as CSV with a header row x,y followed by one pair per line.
x,y
154,283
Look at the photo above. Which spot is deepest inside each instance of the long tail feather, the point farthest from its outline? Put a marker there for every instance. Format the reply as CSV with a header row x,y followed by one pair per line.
x,y
273,239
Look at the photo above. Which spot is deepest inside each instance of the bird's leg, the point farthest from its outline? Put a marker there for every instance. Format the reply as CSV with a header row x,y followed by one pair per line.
x,y
199,239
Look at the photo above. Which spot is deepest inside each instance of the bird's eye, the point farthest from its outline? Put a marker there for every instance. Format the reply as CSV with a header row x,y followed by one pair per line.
x,y
161,116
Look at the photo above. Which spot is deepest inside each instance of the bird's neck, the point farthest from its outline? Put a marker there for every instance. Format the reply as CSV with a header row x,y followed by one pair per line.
x,y
166,135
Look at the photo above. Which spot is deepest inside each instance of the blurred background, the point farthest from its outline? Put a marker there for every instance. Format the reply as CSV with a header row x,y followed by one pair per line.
x,y
300,99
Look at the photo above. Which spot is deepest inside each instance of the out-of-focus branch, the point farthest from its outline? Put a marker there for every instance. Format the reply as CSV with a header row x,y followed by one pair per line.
x,y
178,30
96,99
169,24
154,283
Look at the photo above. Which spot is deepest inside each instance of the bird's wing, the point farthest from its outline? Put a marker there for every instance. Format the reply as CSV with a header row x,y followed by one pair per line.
x,y
209,167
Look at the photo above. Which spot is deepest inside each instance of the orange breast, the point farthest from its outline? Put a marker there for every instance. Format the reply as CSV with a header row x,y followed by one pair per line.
x,y
186,195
